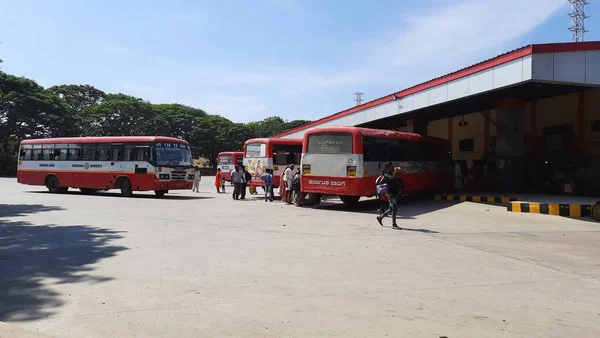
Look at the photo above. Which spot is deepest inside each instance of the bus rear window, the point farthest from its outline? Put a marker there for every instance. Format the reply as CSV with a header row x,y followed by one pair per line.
x,y
226,159
256,150
330,143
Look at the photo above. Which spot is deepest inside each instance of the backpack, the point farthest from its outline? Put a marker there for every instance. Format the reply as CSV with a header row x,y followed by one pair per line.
x,y
296,182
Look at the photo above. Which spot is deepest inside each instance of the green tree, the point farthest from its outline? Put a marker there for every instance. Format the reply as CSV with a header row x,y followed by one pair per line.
x,y
120,114
79,97
27,110
214,133
273,125
177,120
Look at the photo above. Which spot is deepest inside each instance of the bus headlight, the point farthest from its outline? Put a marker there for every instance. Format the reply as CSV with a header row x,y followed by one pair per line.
x,y
351,171
306,169
164,176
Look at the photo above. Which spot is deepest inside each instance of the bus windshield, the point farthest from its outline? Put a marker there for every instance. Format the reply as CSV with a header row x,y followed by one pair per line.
x,y
330,143
168,154
256,150
226,159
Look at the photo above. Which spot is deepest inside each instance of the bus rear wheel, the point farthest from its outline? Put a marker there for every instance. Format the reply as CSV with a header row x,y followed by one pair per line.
x,y
160,193
351,200
52,184
126,189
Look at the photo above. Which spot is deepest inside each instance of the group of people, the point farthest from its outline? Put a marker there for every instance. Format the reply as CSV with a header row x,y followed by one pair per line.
x,y
239,178
388,187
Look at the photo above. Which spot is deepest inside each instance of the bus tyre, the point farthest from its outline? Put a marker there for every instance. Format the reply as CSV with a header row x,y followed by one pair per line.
x,y
160,193
52,184
350,200
596,211
125,185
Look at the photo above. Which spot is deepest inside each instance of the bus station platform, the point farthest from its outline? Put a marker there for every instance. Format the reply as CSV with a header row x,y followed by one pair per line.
x,y
554,205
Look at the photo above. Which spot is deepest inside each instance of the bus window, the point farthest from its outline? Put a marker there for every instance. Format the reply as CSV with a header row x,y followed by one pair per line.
x,y
118,153
25,154
330,143
240,161
128,154
88,152
102,153
63,154
226,159
256,150
286,154
142,154
47,154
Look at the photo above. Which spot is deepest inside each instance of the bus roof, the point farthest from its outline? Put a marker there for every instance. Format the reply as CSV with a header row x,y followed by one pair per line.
x,y
287,141
105,139
230,153
375,133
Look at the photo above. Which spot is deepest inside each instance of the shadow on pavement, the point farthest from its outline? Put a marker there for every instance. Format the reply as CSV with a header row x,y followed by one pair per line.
x,y
34,256
169,196
407,209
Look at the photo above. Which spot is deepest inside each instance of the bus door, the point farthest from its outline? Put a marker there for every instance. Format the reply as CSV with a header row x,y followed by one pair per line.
x,y
118,156
142,155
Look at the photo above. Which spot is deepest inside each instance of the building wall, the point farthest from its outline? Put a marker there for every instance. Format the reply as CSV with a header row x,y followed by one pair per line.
x,y
549,112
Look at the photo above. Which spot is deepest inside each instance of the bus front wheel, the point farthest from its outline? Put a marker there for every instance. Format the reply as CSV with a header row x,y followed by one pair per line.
x,y
126,189
160,193
350,199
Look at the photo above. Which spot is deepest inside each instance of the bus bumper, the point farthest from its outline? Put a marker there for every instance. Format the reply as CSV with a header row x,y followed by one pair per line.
x,y
174,185
348,186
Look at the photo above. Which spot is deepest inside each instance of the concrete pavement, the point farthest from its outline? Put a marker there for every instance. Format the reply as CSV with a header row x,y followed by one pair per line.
x,y
203,265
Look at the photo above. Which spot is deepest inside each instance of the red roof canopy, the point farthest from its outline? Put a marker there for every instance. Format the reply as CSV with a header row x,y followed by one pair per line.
x,y
475,68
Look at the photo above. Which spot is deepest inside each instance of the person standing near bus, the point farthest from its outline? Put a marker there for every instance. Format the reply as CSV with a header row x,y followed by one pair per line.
x,y
393,194
236,180
267,177
246,177
288,174
197,178
218,182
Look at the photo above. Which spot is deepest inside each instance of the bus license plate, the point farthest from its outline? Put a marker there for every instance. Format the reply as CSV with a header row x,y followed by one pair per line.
x,y
225,167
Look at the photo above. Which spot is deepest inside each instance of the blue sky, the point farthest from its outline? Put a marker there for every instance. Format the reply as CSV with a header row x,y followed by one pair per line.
x,y
247,60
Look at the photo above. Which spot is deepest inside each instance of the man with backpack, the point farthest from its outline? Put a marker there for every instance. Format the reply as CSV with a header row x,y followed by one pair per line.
x,y
393,193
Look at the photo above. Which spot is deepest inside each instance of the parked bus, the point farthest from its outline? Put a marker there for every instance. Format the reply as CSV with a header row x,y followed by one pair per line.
x,y
227,160
128,163
346,161
270,153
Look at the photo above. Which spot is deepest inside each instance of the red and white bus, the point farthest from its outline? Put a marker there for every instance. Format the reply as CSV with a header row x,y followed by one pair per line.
x,y
270,153
346,161
128,163
227,160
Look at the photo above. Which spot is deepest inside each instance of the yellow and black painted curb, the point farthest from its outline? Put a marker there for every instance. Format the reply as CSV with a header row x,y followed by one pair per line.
x,y
477,199
555,209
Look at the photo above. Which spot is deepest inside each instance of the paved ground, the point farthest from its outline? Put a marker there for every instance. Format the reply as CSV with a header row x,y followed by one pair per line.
x,y
203,265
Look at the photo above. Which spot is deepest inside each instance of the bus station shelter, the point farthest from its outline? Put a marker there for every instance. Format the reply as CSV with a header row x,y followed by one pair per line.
x,y
530,117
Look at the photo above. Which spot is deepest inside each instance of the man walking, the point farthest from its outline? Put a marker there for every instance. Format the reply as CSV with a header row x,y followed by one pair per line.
x,y
393,194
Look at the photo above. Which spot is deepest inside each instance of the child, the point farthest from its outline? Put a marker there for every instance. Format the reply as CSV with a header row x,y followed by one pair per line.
x,y
218,181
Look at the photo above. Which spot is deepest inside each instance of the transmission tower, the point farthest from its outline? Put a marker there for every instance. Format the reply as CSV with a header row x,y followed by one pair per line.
x,y
359,98
577,19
